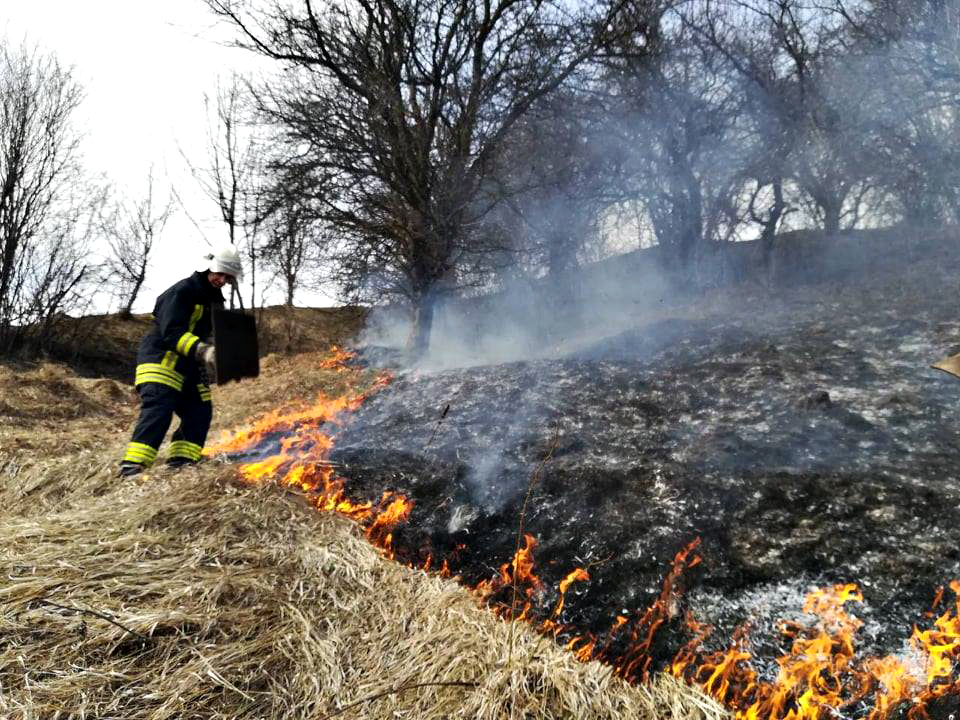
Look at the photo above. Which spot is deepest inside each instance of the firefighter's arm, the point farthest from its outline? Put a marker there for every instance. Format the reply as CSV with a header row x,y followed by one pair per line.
x,y
176,318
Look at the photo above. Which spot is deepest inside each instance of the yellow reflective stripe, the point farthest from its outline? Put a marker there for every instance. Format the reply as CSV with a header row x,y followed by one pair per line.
x,y
142,447
185,449
186,446
140,453
134,456
186,342
148,376
169,359
158,369
155,372
161,381
205,393
195,317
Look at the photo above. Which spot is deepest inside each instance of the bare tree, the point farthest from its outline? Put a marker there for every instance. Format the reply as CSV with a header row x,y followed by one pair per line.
x,y
678,116
906,54
767,76
234,174
131,229
556,173
808,41
63,271
294,241
42,265
396,108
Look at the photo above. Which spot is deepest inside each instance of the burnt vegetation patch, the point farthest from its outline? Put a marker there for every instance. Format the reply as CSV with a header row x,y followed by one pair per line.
x,y
802,452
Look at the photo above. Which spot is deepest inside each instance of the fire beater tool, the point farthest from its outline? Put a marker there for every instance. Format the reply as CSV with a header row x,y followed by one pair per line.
x,y
949,365
236,348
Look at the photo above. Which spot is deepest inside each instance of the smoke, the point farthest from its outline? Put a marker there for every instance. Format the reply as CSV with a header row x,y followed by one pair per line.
x,y
536,320
700,158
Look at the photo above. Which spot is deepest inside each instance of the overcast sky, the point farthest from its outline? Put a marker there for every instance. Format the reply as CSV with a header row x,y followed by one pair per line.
x,y
145,67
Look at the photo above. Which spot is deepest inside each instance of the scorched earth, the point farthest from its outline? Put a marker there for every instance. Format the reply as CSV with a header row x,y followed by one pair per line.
x,y
761,450
806,444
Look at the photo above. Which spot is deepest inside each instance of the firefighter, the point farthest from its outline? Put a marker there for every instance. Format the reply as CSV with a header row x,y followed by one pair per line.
x,y
173,362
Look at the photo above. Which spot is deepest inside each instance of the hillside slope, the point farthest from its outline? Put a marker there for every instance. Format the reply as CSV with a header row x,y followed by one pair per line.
x,y
194,594
106,345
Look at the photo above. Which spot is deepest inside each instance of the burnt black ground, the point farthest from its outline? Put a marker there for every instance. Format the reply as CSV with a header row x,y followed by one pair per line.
x,y
800,434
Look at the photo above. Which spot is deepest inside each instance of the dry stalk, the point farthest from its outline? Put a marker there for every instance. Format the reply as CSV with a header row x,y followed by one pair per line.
x,y
42,602
531,483
397,690
436,428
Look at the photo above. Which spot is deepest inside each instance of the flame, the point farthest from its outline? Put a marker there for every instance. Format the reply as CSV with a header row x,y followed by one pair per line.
x,y
577,575
395,511
518,576
298,446
337,358
819,677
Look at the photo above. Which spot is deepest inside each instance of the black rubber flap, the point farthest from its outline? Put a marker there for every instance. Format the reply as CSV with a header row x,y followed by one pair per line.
x,y
235,339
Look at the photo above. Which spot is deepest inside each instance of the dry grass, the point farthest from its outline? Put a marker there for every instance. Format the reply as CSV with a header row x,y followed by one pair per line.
x,y
294,330
191,595
243,603
59,436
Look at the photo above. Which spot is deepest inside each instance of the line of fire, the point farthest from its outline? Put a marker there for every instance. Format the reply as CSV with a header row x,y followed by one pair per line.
x,y
820,653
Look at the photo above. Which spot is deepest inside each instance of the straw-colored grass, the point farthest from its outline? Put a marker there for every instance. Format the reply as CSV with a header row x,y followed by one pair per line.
x,y
191,595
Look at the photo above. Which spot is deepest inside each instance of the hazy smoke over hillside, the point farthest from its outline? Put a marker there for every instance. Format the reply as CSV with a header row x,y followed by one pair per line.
x,y
736,146
537,320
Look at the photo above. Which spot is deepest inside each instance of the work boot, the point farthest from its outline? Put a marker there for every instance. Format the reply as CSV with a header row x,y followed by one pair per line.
x,y
129,469
179,462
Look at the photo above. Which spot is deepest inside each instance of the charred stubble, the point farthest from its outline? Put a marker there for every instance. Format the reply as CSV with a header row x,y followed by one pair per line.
x,y
803,452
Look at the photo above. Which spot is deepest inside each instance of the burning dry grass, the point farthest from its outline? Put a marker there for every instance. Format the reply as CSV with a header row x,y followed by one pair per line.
x,y
193,595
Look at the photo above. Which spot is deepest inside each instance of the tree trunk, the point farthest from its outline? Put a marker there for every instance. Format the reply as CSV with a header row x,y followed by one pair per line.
x,y
127,310
419,342
769,232
831,206
253,282
10,247
831,221
692,236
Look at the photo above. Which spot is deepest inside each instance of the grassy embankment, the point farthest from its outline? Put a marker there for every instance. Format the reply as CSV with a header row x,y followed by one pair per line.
x,y
192,594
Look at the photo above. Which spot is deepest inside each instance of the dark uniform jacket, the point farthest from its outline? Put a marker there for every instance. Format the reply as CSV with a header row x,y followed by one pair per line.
x,y
182,318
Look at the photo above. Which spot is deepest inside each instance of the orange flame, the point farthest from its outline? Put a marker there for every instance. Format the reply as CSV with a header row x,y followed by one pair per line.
x,y
394,512
519,576
301,460
821,676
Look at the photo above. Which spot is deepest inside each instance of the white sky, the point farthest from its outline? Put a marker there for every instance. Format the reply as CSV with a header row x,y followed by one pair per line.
x,y
145,66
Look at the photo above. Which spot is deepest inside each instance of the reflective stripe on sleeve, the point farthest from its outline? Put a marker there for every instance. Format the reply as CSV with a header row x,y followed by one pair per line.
x,y
205,393
195,317
186,342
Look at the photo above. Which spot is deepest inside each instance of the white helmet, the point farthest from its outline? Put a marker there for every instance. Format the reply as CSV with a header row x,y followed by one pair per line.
x,y
223,259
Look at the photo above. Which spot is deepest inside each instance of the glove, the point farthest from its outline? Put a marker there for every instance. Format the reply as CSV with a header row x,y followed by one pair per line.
x,y
207,355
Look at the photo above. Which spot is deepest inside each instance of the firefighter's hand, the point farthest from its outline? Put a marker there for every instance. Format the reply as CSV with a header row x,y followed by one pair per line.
x,y
208,356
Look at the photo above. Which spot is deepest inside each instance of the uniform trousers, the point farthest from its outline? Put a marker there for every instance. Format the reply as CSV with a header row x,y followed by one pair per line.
x,y
159,404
